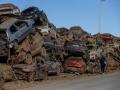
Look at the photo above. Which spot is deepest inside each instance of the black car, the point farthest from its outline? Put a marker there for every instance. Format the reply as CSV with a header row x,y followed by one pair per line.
x,y
36,14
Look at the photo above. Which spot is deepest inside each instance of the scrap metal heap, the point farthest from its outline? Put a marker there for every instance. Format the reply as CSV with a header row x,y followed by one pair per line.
x,y
22,45
75,48
104,45
31,47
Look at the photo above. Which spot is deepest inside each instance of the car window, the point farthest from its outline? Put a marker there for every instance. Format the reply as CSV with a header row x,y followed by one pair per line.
x,y
13,29
20,24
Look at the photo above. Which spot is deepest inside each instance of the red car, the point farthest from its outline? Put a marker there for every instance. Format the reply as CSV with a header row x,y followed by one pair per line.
x,y
74,64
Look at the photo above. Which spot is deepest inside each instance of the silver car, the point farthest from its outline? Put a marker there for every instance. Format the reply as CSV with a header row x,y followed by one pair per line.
x,y
16,29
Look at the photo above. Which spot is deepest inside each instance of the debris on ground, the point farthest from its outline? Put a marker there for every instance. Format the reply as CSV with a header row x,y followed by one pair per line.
x,y
31,47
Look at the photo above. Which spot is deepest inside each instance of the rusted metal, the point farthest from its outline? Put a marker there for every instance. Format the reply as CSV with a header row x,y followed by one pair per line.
x,y
31,47
75,64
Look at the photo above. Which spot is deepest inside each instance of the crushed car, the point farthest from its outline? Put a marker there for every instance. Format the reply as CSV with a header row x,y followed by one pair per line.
x,y
34,13
75,65
9,9
75,47
54,58
54,67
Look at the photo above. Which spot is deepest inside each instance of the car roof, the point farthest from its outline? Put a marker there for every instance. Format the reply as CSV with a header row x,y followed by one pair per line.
x,y
8,6
30,9
6,24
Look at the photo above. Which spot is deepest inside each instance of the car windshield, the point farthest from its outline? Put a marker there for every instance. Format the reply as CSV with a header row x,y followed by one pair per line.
x,y
20,24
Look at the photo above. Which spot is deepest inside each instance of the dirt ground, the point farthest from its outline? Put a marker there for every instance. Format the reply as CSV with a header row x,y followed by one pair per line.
x,y
62,78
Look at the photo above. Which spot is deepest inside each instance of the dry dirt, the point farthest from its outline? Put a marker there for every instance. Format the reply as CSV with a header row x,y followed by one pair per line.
x,y
17,85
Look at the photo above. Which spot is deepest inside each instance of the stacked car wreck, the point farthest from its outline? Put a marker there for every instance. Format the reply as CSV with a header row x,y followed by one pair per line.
x,y
22,46
31,47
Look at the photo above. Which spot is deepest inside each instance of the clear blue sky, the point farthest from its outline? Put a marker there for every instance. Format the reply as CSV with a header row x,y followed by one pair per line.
x,y
85,13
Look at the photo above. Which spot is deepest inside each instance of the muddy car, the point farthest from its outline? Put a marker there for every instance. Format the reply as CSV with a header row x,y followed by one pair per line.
x,y
16,29
9,9
76,47
74,64
53,60
31,72
54,67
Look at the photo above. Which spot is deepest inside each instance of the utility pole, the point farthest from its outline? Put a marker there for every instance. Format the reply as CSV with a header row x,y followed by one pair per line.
x,y
100,9
100,16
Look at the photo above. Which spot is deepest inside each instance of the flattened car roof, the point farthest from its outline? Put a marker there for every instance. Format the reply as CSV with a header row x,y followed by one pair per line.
x,y
6,24
7,6
9,9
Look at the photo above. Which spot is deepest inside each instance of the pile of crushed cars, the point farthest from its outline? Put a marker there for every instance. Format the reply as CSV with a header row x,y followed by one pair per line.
x,y
31,47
